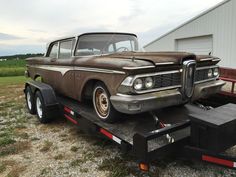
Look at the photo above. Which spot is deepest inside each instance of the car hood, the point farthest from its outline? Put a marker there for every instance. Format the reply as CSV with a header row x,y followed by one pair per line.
x,y
127,60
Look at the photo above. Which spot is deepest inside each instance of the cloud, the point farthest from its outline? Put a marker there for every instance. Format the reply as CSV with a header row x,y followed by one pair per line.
x,y
4,36
41,21
37,30
21,49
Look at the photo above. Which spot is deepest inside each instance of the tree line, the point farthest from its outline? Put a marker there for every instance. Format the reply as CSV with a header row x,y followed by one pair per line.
x,y
21,56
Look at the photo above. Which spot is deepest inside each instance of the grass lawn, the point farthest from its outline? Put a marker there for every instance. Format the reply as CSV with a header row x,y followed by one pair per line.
x,y
12,80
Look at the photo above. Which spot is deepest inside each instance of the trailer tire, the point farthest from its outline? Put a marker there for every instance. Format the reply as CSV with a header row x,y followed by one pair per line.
x,y
29,97
43,114
105,111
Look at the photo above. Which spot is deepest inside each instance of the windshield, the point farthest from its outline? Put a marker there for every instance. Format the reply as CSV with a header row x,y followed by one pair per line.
x,y
97,44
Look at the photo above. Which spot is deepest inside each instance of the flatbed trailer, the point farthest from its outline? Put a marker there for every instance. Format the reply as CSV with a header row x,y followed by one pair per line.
x,y
189,131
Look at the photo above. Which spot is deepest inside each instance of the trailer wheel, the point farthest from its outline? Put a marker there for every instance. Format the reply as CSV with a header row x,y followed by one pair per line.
x,y
102,103
29,96
42,113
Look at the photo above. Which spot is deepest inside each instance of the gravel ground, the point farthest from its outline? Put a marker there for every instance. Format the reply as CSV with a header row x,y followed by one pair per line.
x,y
59,149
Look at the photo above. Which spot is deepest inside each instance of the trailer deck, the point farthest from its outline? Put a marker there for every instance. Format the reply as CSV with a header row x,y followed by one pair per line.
x,y
188,131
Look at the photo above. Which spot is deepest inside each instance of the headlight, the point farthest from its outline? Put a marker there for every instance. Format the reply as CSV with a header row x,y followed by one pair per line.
x,y
216,72
210,73
148,82
138,84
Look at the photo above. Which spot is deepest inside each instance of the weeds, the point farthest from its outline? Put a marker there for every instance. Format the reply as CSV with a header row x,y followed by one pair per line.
x,y
2,168
59,157
14,148
76,162
6,140
46,147
15,171
74,148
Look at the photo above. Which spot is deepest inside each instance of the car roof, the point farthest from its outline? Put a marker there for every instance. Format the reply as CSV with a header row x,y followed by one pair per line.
x,y
70,37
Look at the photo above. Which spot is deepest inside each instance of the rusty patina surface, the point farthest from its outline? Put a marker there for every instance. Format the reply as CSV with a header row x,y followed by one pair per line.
x,y
75,76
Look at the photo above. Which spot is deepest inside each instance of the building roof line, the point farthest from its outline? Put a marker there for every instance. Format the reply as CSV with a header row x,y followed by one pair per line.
x,y
189,21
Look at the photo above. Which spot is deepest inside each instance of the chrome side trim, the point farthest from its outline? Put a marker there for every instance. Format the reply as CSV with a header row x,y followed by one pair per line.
x,y
206,80
64,69
216,59
207,67
206,59
164,63
159,89
98,70
137,67
158,73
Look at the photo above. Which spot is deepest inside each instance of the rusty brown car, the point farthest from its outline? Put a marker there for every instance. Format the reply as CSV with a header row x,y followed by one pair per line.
x,y
108,69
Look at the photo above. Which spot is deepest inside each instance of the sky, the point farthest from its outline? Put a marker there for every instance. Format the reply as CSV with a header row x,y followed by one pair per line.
x,y
27,25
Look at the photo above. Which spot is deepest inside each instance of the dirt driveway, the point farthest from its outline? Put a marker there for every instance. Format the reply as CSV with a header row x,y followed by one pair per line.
x,y
30,149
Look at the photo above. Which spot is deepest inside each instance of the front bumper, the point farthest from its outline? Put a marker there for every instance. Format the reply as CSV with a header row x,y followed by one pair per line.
x,y
207,88
134,104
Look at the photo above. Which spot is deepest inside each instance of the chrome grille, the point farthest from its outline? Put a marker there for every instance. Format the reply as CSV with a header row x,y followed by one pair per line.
x,y
167,80
189,71
201,75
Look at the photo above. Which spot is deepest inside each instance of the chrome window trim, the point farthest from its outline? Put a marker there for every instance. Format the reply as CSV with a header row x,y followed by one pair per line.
x,y
207,67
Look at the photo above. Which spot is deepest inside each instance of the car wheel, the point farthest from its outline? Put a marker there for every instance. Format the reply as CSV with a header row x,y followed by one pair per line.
x,y
102,104
42,113
29,96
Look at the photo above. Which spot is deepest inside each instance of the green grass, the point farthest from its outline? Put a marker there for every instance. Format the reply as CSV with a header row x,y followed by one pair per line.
x,y
12,71
12,80
12,64
12,68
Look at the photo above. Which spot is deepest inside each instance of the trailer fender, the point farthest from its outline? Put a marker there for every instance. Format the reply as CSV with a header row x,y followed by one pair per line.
x,y
46,90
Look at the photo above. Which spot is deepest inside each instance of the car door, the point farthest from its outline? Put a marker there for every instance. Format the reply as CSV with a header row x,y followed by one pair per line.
x,y
63,66
46,69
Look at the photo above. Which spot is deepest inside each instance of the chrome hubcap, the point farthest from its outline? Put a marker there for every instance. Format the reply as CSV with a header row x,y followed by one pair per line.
x,y
39,107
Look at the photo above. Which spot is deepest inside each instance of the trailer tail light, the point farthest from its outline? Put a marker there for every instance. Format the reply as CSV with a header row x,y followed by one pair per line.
x,y
68,110
219,161
110,136
71,115
143,166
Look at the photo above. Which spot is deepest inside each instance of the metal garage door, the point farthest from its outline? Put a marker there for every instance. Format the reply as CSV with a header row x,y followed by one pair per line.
x,y
198,45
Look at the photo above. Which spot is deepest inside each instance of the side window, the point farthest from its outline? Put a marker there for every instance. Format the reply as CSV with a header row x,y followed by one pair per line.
x,y
53,52
66,48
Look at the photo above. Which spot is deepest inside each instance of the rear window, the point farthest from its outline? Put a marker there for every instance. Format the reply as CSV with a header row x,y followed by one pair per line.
x,y
54,50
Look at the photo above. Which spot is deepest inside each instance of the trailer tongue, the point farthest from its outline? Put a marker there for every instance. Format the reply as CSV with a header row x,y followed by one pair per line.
x,y
188,131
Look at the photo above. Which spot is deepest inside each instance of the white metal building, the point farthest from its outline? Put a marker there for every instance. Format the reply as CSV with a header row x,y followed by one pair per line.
x,y
212,31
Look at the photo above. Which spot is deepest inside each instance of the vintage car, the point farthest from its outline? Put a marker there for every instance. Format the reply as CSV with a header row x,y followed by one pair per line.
x,y
108,69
